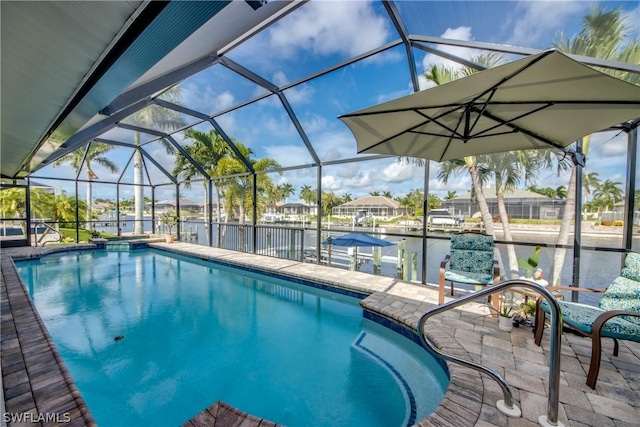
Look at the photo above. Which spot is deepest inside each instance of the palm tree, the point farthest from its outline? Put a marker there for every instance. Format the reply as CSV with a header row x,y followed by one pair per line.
x,y
479,177
609,193
155,118
412,202
405,203
65,209
375,193
307,194
13,203
589,181
507,173
238,188
450,195
596,205
285,191
207,149
604,35
95,152
347,198
561,192
329,201
433,202
509,169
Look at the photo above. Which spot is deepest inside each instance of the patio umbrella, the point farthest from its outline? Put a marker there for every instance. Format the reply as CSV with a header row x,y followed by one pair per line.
x,y
357,239
541,101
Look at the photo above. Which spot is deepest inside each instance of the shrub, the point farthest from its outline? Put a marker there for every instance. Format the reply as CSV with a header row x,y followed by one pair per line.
x,y
618,223
607,223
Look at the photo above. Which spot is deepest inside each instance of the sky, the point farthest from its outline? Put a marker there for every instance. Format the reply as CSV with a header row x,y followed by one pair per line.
x,y
321,34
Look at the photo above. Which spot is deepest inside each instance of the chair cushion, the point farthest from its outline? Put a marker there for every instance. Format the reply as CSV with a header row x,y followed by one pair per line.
x,y
631,268
468,277
623,294
472,241
581,317
470,261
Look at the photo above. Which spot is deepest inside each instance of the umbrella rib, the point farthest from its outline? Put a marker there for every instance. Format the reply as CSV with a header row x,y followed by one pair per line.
x,y
507,122
462,138
429,119
373,113
512,75
481,112
454,132
528,132
391,137
436,121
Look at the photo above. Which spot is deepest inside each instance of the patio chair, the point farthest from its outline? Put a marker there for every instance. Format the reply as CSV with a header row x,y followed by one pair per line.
x,y
617,316
470,261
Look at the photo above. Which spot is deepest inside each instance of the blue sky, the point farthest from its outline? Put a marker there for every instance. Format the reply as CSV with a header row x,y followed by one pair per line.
x,y
323,33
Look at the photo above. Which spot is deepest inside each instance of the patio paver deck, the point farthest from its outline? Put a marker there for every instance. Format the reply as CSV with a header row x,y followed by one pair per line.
x,y
37,388
468,332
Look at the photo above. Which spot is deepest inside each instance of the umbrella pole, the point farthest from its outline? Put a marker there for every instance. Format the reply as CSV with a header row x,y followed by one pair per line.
x,y
424,233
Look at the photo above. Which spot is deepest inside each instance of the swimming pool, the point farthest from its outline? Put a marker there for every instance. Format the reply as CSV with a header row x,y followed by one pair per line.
x,y
191,332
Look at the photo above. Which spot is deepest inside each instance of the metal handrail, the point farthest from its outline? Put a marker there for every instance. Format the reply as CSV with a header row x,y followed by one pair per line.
x,y
507,406
35,233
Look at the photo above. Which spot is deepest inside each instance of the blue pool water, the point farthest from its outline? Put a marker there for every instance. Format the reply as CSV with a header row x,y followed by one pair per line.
x,y
196,332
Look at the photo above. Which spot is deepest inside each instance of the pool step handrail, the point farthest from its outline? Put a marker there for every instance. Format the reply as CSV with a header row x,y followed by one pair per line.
x,y
507,406
48,228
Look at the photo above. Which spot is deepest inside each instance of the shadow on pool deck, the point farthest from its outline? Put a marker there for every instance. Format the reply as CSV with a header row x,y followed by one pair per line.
x,y
36,381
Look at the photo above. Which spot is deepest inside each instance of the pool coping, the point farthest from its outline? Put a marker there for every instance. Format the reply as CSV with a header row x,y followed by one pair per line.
x,y
37,387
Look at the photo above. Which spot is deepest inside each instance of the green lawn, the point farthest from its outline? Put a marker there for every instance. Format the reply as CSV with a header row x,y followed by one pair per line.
x,y
85,235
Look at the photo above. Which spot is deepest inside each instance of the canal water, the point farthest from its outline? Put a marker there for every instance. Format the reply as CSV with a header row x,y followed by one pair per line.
x,y
597,268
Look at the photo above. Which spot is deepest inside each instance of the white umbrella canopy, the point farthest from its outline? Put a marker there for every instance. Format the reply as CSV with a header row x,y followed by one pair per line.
x,y
541,101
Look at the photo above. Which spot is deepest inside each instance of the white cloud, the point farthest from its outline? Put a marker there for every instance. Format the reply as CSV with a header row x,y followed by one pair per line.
x,y
279,78
288,155
329,27
398,172
459,33
533,21
334,145
205,98
228,123
312,123
460,184
224,100
332,154
608,144
330,183
384,97
300,95
350,170
360,180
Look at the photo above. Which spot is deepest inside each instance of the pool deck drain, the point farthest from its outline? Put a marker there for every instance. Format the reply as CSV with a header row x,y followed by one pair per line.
x,y
36,381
